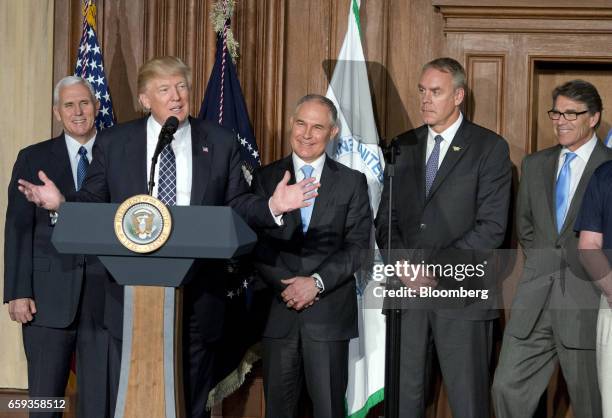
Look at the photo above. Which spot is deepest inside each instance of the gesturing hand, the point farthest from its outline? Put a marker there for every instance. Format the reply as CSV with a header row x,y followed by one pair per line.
x,y
290,197
46,196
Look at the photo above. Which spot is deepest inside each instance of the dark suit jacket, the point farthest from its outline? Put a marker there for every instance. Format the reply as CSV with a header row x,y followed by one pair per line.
x,y
552,271
467,207
119,171
339,230
32,266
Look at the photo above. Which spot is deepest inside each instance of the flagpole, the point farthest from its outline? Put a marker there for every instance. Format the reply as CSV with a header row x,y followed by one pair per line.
x,y
391,309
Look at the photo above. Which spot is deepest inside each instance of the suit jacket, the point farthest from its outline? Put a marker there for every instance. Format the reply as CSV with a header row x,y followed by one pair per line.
x,y
552,272
119,171
32,266
339,230
467,207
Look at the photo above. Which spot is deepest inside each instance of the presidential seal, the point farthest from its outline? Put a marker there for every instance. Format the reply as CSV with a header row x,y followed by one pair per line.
x,y
142,223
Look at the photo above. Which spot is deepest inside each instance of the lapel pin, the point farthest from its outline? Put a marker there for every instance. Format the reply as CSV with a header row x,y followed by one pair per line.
x,y
204,149
455,148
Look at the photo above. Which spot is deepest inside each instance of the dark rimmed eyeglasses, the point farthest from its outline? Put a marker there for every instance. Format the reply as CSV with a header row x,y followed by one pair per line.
x,y
556,115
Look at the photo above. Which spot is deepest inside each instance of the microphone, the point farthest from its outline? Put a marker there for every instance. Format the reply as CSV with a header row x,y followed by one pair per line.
x,y
166,135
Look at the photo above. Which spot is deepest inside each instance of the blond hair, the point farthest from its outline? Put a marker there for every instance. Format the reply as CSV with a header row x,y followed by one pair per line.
x,y
161,67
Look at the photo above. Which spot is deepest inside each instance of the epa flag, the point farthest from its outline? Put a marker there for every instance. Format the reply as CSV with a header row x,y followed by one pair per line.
x,y
223,103
90,66
245,313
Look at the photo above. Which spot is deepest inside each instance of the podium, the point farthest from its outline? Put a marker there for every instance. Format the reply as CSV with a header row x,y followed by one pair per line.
x,y
151,374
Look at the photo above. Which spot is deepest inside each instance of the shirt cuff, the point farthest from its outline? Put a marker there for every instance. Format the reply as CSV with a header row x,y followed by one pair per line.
x,y
277,219
319,282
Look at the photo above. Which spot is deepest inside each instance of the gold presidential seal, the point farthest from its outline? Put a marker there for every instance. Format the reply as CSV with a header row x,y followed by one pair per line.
x,y
142,223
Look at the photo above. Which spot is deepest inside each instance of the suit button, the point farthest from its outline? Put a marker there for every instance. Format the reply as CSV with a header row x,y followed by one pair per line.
x,y
423,226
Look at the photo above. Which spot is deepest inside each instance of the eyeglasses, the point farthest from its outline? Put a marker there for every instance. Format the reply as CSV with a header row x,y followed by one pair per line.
x,y
556,115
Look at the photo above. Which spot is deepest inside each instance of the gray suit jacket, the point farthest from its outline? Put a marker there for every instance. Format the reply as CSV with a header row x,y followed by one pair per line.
x,y
552,271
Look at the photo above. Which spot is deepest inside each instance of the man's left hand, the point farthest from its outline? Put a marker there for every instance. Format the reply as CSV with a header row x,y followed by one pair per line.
x,y
301,292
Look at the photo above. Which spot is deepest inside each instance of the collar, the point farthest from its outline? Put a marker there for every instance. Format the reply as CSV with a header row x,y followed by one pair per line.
x,y
584,151
449,133
317,164
180,135
73,146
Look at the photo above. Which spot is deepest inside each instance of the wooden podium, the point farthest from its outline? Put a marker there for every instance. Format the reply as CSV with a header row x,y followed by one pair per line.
x,y
151,373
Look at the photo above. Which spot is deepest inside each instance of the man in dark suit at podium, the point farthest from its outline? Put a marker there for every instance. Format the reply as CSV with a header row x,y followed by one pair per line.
x,y
57,297
452,193
201,166
309,264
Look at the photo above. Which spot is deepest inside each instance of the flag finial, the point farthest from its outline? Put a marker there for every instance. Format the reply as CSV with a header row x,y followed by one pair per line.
x,y
89,13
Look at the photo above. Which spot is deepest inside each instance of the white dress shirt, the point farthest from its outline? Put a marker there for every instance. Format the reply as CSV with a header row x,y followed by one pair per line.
x,y
578,164
317,166
181,145
73,154
448,136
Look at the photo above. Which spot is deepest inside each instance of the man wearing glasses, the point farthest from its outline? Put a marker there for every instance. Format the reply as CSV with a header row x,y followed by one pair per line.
x,y
554,312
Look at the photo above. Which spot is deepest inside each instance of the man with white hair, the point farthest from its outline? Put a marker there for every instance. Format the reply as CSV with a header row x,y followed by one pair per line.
x,y
60,311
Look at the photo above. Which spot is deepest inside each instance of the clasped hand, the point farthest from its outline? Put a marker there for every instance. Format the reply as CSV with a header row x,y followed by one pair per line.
x,y
300,293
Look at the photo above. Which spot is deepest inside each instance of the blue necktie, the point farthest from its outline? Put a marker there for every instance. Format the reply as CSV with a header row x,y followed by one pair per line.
x,y
431,169
306,212
166,191
82,167
563,190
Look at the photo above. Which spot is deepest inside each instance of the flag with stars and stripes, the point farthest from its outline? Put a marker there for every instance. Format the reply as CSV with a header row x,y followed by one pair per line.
x,y
245,307
224,104
90,66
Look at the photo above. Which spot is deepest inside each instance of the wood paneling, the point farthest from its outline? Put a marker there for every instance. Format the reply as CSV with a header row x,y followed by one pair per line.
x,y
485,102
26,42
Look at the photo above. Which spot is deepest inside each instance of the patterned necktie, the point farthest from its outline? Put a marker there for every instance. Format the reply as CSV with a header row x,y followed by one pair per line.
x,y
166,191
563,190
306,212
432,165
82,167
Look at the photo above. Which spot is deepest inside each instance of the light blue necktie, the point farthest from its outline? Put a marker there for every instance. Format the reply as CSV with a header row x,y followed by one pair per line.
x,y
306,212
431,169
166,191
82,167
563,190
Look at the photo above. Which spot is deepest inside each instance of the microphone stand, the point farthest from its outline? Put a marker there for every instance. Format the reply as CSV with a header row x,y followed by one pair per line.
x,y
392,307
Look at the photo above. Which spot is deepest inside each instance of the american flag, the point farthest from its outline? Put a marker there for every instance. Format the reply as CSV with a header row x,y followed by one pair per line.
x,y
90,66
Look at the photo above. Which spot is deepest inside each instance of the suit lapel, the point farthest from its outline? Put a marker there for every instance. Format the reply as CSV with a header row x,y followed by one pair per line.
x,y
456,150
202,153
420,160
549,179
62,170
136,151
293,219
326,193
595,160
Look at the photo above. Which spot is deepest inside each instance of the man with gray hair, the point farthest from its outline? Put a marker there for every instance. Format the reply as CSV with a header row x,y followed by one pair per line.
x,y
60,310
453,195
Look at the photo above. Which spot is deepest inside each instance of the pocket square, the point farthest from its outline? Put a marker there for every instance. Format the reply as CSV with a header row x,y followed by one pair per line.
x,y
204,149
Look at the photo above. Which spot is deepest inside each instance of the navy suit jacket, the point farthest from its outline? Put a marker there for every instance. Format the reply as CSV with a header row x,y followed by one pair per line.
x,y
119,171
32,266
339,230
467,206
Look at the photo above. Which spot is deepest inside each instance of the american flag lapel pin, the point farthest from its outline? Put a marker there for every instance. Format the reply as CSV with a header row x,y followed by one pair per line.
x,y
204,149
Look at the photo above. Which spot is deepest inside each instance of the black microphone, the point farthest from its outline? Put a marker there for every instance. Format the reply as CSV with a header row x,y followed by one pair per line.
x,y
166,135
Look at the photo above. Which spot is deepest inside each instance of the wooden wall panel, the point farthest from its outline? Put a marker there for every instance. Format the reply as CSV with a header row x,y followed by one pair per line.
x,y
485,101
26,86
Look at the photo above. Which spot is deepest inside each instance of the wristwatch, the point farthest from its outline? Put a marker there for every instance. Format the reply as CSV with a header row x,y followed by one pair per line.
x,y
318,283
